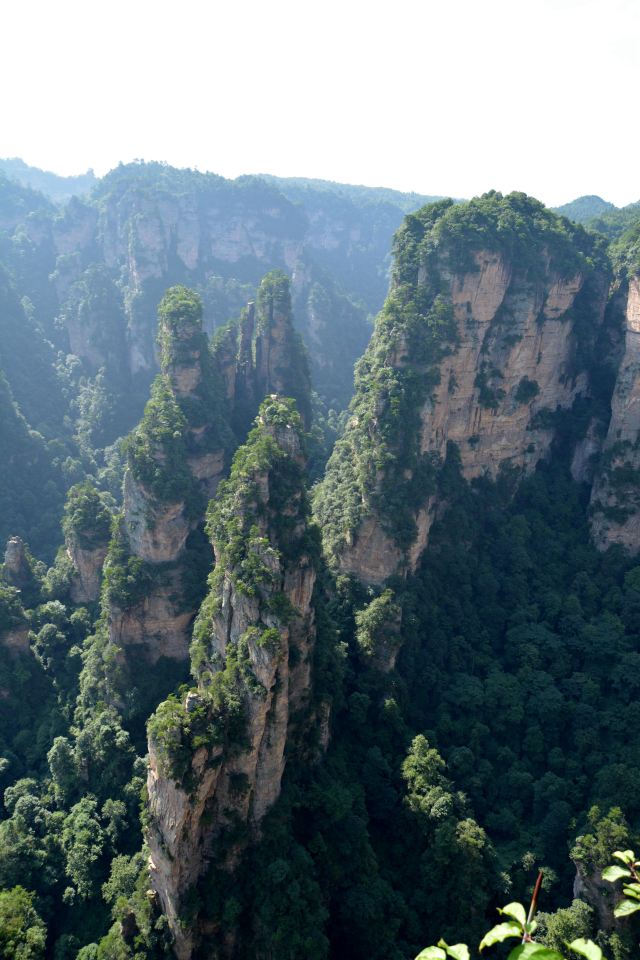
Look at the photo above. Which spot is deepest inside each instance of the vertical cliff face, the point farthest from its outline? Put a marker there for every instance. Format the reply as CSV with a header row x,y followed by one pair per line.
x,y
615,497
95,269
261,354
16,571
176,457
200,408
87,526
493,307
16,575
148,226
217,758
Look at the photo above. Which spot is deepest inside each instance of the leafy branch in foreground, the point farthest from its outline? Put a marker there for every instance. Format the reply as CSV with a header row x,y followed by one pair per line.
x,y
631,887
521,926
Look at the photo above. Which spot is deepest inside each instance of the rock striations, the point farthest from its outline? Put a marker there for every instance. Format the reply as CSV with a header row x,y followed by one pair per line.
x,y
217,757
492,313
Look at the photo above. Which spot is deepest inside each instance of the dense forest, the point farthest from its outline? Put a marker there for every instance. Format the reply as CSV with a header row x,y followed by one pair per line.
x,y
296,661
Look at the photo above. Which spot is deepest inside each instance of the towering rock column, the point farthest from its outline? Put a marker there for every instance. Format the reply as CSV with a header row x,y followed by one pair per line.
x,y
87,526
17,571
16,574
175,458
481,340
262,354
615,496
217,758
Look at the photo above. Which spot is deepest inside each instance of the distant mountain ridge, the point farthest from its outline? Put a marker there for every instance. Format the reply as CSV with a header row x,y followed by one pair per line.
x,y
584,209
600,215
61,188
294,187
52,185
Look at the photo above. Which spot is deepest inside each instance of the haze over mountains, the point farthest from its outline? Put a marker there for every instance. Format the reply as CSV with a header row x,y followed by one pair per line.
x,y
319,615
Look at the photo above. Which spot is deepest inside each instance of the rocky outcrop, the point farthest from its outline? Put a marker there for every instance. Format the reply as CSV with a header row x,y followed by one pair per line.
x,y
378,632
217,759
180,451
85,584
16,574
158,625
157,531
477,349
177,456
17,570
280,360
150,226
87,530
615,496
262,354
589,886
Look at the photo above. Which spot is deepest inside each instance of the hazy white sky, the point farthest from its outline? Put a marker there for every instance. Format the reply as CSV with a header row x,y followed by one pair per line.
x,y
449,97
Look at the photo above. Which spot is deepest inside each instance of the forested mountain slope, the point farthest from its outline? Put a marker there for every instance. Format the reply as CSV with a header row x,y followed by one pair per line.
x,y
85,278
147,226
584,209
57,188
341,722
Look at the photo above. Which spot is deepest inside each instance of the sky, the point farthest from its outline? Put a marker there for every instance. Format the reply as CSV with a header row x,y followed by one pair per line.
x,y
447,98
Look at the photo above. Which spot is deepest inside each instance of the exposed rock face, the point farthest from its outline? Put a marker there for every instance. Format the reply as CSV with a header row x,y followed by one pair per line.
x,y
370,553
85,586
172,471
157,531
252,657
146,238
513,340
262,354
154,226
158,626
590,887
378,632
94,319
17,571
280,362
615,497
87,531
586,452
476,350
16,640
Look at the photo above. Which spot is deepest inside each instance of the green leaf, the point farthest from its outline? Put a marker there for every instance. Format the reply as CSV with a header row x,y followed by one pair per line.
x,y
627,856
537,950
615,873
516,911
626,907
632,890
432,953
459,951
586,948
501,932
